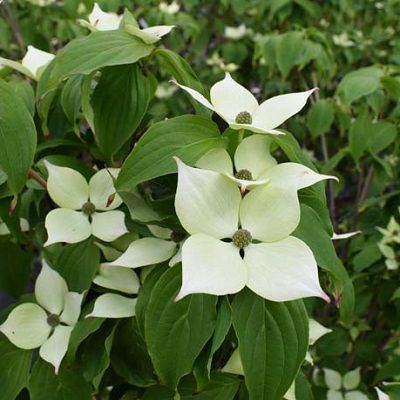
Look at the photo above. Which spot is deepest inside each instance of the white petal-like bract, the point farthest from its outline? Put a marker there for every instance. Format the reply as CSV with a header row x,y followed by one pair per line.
x,y
67,187
36,59
276,110
283,271
146,251
211,266
117,278
55,348
112,305
229,98
101,190
270,213
109,225
104,21
50,290
206,202
26,326
64,225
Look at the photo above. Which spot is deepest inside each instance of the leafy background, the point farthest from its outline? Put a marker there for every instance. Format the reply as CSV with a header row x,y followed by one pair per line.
x,y
350,50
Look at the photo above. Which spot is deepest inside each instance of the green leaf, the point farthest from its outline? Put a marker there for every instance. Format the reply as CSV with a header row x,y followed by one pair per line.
x,y
187,137
95,51
15,269
119,102
321,245
96,354
82,330
17,137
359,83
68,384
129,356
366,135
389,370
391,85
273,341
320,117
71,99
77,264
176,332
14,370
183,73
220,386
289,49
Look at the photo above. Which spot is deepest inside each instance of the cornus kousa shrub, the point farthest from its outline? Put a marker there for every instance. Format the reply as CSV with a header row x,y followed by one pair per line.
x,y
163,240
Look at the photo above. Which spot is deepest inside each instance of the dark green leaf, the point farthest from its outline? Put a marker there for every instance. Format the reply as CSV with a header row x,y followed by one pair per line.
x,y
14,370
15,269
273,341
321,245
177,330
67,385
187,137
95,51
119,103
77,264
17,137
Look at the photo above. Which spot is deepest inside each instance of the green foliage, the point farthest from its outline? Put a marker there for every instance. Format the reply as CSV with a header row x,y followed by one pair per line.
x,y
107,101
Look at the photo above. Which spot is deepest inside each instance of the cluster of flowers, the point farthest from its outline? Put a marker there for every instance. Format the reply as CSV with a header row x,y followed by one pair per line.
x,y
237,218
389,245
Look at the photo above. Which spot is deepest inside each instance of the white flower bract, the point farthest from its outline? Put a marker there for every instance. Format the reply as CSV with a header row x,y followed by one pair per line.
x,y
49,323
80,202
275,265
240,109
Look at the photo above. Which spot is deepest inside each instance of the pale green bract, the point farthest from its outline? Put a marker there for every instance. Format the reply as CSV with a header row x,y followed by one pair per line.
x,y
80,202
343,387
113,305
33,63
49,323
240,109
98,20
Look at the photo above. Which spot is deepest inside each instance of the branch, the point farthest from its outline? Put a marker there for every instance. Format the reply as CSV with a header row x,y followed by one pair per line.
x,y
38,178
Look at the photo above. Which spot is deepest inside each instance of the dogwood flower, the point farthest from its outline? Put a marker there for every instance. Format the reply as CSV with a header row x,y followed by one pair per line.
x,y
151,34
254,166
240,109
170,9
234,364
33,63
100,20
237,242
85,209
113,305
392,232
342,388
166,244
49,323
235,33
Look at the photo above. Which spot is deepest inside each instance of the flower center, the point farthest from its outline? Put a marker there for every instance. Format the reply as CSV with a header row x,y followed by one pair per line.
x,y
242,238
53,320
244,174
244,117
88,208
177,236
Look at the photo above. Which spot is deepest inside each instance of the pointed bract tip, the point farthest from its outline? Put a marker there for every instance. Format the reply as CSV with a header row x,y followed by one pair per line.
x,y
180,296
325,297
